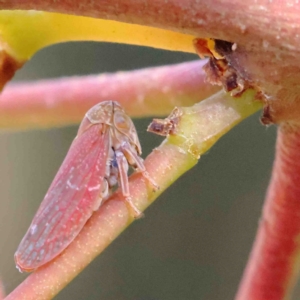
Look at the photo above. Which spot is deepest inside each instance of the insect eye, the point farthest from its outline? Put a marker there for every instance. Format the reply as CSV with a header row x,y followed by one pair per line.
x,y
122,122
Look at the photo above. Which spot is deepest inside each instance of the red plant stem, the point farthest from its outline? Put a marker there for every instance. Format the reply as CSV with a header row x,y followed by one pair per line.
x,y
274,262
147,92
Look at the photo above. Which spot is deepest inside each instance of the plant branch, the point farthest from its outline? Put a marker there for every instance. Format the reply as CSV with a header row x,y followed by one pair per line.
x,y
176,155
23,33
224,19
274,262
146,92
265,34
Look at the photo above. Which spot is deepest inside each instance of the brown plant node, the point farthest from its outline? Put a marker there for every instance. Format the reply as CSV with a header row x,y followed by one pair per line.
x,y
266,118
219,71
166,126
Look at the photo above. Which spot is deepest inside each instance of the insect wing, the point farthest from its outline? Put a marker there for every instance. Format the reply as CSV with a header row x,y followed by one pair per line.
x,y
70,201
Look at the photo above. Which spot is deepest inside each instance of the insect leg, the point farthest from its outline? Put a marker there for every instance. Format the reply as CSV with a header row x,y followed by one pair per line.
x,y
105,191
133,158
124,184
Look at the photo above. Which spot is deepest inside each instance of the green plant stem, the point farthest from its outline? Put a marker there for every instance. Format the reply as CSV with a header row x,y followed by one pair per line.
x,y
175,156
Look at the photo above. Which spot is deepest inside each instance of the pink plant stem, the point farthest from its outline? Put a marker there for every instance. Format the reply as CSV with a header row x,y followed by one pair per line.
x,y
274,262
148,92
164,165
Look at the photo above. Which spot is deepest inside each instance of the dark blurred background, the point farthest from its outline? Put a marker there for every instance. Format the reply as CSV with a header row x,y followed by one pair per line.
x,y
195,239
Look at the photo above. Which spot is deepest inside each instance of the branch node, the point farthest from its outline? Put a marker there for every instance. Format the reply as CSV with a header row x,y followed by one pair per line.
x,y
166,126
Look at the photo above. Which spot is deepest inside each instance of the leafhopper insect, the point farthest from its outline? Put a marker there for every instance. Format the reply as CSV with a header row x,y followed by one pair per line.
x,y
99,157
